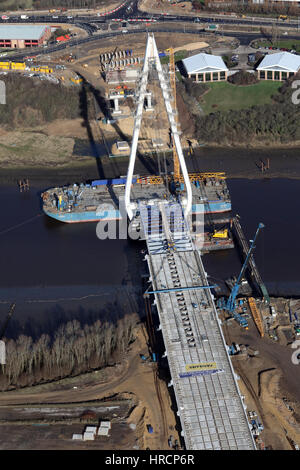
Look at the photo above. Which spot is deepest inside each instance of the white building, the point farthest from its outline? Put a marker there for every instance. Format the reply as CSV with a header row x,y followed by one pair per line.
x,y
278,66
88,436
205,68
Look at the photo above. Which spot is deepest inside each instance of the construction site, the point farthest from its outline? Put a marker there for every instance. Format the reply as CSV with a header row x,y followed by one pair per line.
x,y
202,365
206,371
114,71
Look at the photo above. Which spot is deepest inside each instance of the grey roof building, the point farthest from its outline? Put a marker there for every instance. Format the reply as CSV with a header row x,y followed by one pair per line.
x,y
205,67
21,31
278,66
20,36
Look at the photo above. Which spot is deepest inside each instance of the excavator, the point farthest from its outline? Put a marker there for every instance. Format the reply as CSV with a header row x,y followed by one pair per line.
x,y
222,233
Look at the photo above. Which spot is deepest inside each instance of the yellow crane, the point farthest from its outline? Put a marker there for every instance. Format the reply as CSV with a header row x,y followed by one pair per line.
x,y
154,179
173,86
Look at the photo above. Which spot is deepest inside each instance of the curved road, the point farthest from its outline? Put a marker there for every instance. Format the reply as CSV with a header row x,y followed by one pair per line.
x,y
129,11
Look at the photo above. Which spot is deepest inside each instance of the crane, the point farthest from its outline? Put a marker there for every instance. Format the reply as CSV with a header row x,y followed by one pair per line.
x,y
230,306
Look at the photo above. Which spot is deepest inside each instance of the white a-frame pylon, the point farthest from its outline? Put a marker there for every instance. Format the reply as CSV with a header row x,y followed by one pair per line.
x,y
152,59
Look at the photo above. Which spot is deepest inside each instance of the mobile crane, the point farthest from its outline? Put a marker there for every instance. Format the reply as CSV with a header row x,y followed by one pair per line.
x,y
230,305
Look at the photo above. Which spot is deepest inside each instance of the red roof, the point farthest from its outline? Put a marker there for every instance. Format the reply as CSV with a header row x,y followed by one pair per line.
x,y
63,38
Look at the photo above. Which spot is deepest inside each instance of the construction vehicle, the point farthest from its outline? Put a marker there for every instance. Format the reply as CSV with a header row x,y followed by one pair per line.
x,y
282,17
42,69
220,233
234,349
231,303
143,357
76,80
296,317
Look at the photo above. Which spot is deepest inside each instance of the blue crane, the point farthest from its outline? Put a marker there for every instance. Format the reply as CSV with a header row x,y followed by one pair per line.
x,y
230,306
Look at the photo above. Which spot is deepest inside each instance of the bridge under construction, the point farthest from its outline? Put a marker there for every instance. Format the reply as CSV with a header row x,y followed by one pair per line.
x,y
210,407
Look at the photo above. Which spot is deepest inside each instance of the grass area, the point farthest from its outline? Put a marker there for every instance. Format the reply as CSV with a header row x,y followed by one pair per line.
x,y
6,51
285,43
227,96
178,56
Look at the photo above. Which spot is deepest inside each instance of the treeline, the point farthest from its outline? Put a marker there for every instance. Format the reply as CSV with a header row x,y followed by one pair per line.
x,y
31,102
13,5
6,5
74,349
243,78
276,122
191,94
69,4
239,7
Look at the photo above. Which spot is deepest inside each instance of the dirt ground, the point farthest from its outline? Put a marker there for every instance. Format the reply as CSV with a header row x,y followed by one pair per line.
x,y
266,380
133,379
108,6
164,6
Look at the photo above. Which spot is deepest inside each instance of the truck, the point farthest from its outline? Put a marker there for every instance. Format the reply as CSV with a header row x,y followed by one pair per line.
x,y
272,311
212,27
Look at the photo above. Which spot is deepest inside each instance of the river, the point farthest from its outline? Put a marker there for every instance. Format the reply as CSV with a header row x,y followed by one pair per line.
x,y
55,272
275,202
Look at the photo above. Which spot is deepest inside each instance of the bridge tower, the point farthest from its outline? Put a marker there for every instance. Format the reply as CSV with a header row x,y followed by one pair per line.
x,y
151,60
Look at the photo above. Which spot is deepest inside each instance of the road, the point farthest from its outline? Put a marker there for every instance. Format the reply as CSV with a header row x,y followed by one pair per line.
x,y
129,11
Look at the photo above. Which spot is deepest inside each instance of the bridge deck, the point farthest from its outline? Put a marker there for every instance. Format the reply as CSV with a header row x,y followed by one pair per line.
x,y
209,403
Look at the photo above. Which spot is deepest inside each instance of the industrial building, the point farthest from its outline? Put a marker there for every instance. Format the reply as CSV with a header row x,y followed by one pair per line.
x,y
21,36
205,68
278,66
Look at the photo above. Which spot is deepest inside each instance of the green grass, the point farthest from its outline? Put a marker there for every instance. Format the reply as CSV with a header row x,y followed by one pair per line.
x,y
228,96
286,43
179,55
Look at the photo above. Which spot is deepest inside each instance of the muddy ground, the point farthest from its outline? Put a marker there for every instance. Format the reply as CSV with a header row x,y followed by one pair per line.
x,y
269,381
129,394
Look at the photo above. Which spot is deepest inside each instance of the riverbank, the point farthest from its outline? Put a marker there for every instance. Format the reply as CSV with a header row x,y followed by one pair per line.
x,y
284,162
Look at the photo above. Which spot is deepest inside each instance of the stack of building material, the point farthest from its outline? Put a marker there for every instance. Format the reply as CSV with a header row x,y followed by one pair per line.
x,y
77,437
104,428
90,433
